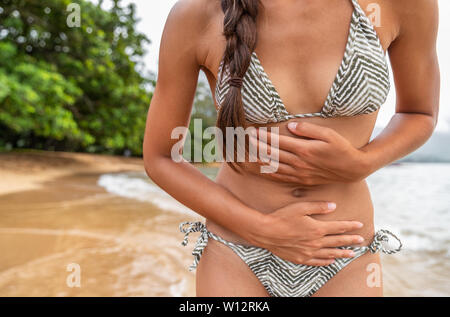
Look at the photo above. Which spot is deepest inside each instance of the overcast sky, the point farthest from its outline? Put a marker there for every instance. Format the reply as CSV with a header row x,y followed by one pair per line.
x,y
153,14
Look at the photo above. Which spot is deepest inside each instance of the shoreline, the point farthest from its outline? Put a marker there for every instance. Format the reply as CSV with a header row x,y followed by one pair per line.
x,y
54,214
28,170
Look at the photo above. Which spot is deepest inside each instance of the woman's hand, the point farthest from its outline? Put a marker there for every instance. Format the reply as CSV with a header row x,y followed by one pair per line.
x,y
292,234
325,157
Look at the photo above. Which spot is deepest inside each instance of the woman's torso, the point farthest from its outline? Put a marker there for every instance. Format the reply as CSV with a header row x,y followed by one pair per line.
x,y
301,47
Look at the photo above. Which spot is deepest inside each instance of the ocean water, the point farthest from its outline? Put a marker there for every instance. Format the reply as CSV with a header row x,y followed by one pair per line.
x,y
414,200
410,199
138,186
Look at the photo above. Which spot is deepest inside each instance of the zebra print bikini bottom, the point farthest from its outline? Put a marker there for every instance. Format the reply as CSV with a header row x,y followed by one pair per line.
x,y
282,278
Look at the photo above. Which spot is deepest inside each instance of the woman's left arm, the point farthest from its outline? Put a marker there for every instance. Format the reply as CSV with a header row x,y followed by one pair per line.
x,y
417,82
327,157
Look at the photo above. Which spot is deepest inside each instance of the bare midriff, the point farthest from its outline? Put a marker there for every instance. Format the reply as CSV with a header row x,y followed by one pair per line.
x,y
353,200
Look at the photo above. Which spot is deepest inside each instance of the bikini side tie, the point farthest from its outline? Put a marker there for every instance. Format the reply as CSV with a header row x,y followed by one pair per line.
x,y
188,227
381,236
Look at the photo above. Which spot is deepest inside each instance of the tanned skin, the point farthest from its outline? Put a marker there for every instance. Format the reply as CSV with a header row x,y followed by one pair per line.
x,y
300,44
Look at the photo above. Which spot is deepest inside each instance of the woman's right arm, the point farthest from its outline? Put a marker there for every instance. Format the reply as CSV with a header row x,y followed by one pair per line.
x,y
181,55
183,51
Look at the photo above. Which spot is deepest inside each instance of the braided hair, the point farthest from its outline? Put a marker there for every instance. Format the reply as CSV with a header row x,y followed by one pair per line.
x,y
239,29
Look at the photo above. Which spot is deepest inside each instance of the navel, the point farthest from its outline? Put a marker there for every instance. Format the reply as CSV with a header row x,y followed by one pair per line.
x,y
298,192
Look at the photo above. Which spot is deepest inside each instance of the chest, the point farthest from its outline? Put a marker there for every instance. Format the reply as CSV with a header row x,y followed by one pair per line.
x,y
331,64
302,62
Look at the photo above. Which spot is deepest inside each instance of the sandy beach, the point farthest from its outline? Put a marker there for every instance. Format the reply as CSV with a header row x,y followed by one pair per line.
x,y
101,214
54,214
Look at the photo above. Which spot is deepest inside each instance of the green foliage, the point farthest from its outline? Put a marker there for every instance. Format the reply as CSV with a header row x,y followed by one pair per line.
x,y
203,109
72,88
77,88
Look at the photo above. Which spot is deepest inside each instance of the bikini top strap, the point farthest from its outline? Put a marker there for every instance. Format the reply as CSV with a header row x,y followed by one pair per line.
x,y
358,8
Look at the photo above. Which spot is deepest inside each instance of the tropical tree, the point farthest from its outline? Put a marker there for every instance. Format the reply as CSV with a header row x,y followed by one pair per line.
x,y
71,76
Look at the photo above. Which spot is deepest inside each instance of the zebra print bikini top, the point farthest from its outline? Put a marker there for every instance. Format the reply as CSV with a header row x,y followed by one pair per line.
x,y
361,85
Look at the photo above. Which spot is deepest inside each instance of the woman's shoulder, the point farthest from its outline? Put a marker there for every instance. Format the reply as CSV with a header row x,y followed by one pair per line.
x,y
417,6
196,13
417,17
191,24
402,18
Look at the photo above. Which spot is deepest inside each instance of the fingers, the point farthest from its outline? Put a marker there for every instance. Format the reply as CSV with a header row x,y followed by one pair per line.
x,y
292,144
283,169
339,241
282,142
337,227
281,178
288,174
267,152
311,130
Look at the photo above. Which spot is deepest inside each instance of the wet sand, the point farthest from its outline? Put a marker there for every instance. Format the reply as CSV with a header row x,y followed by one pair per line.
x,y
53,214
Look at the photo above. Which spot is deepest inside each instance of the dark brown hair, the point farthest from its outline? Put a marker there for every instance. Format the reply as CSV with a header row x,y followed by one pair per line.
x,y
239,29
